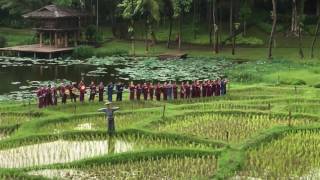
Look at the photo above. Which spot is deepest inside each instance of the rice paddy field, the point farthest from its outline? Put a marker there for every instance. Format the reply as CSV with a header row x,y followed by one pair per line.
x,y
255,132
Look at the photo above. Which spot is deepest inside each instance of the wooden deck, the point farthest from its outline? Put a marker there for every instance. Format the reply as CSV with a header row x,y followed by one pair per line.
x,y
176,55
35,49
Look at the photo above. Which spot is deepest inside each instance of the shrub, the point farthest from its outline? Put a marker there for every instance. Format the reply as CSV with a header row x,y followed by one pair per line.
x,y
298,82
83,52
248,41
112,52
317,85
3,41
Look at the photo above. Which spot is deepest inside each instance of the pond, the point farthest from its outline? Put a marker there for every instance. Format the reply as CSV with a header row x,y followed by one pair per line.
x,y
21,76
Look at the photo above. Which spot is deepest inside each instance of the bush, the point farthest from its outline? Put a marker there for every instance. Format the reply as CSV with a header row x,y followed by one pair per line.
x,y
248,41
112,52
317,85
83,52
298,82
3,41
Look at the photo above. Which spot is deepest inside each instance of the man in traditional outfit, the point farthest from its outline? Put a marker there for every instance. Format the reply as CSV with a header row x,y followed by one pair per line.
x,y
93,91
158,92
151,91
182,91
188,90
175,91
101,91
40,97
119,88
138,91
82,89
63,94
110,91
165,91
132,91
169,91
145,91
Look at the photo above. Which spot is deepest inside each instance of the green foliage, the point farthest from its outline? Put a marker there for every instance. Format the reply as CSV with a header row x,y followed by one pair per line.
x,y
93,35
249,41
317,85
83,52
3,41
112,52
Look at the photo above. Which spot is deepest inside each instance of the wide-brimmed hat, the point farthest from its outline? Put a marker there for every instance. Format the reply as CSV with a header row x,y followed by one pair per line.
x,y
107,103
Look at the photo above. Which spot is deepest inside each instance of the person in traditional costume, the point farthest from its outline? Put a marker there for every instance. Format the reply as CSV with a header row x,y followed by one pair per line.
x,y
158,92
82,89
110,91
54,95
49,96
119,88
194,90
101,91
40,98
132,91
151,91
145,91
138,91
63,94
209,89
72,90
165,91
188,90
175,91
204,88
182,91
218,88
169,90
198,89
93,91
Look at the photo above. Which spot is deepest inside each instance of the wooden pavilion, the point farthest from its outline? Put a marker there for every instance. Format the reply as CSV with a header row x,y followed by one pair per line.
x,y
58,30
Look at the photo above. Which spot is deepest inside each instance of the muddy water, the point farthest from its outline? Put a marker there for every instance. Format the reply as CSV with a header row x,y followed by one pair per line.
x,y
59,152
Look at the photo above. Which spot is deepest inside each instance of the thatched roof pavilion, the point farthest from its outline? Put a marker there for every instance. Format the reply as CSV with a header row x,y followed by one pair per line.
x,y
57,26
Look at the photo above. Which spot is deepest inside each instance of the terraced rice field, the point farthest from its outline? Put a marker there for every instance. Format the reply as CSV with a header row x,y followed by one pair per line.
x,y
255,132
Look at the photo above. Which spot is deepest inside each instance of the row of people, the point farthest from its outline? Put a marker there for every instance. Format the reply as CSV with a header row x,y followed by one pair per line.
x,y
48,95
169,91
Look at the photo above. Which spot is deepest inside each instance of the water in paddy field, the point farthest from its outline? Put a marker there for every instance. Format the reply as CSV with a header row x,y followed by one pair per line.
x,y
20,77
60,152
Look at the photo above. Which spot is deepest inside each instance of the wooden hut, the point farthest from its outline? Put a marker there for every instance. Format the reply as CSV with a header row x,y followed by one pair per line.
x,y
58,25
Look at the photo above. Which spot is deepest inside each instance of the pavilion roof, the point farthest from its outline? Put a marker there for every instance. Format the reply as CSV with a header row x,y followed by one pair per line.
x,y
53,12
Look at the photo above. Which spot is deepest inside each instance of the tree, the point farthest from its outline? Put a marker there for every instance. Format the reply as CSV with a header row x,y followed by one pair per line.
x,y
180,7
315,37
245,14
149,9
274,26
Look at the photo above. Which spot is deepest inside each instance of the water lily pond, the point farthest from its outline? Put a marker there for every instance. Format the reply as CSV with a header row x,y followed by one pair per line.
x,y
21,76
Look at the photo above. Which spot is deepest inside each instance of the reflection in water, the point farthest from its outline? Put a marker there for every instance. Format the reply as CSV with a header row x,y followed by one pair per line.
x,y
60,152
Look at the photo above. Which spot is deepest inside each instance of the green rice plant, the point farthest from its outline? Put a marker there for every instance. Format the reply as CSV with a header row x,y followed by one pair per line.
x,y
202,167
95,122
293,156
63,151
227,126
12,118
78,108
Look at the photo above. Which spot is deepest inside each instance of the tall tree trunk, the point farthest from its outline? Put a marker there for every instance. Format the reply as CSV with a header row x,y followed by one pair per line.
x,y
147,33
170,33
97,23
231,18
274,26
294,18
244,28
214,25
180,32
300,43
318,8
194,20
315,37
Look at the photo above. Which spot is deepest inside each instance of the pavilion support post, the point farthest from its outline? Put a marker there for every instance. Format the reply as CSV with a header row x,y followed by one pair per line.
x,y
50,40
34,55
40,38
50,55
66,40
55,39
75,39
